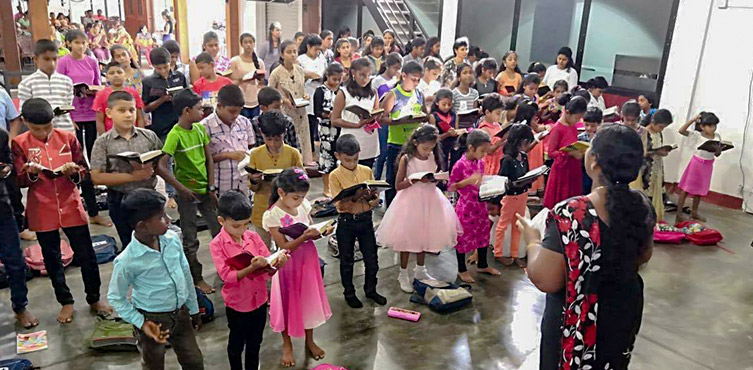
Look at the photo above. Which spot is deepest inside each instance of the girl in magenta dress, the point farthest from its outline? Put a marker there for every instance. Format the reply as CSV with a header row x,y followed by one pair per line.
x,y
565,178
298,302
466,179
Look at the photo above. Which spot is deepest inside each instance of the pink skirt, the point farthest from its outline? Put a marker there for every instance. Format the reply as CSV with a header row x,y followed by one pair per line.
x,y
420,219
696,179
298,300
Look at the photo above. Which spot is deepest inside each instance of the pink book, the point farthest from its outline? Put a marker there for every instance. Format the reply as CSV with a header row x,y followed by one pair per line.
x,y
401,313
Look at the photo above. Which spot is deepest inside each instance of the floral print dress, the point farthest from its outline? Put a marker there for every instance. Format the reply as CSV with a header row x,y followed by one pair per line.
x,y
592,323
471,212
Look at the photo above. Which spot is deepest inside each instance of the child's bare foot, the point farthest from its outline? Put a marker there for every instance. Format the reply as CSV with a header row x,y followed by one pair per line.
x,y
27,235
172,204
316,352
100,220
681,217
466,277
204,287
101,308
507,261
697,217
489,271
288,359
26,319
521,262
66,314
473,258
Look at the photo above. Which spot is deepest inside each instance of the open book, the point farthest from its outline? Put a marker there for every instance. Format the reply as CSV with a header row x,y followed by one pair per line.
x,y
576,146
411,118
82,86
492,186
610,111
243,260
48,172
531,176
31,342
353,190
505,129
667,147
431,176
176,89
540,135
63,109
269,174
712,145
141,158
297,229
225,73
363,113
255,75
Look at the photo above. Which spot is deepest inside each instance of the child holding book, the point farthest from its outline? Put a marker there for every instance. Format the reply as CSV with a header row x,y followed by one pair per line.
x,y
271,100
696,179
188,144
592,120
230,138
383,83
509,76
324,98
514,165
402,101
493,108
242,65
465,96
157,100
652,173
565,179
429,84
485,83
50,163
274,154
355,221
209,83
298,302
443,116
419,205
116,78
122,176
465,179
162,305
244,290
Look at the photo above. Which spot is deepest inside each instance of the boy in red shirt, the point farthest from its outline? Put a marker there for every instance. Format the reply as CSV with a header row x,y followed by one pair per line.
x,y
116,77
210,83
50,163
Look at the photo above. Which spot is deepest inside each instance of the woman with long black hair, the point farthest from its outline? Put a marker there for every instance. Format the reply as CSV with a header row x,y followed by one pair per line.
x,y
269,51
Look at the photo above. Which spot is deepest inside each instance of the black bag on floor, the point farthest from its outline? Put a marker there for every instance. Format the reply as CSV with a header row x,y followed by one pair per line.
x,y
206,307
16,364
105,248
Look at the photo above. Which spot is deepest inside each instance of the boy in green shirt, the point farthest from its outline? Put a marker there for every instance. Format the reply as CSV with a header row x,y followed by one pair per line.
x,y
192,177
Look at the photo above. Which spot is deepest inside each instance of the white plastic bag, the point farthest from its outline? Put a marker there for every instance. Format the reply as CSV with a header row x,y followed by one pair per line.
x,y
444,266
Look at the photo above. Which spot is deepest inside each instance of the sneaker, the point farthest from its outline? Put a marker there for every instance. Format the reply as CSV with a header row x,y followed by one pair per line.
x,y
421,274
377,298
353,301
405,281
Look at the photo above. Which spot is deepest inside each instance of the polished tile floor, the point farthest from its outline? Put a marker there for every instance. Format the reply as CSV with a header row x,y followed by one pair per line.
x,y
698,315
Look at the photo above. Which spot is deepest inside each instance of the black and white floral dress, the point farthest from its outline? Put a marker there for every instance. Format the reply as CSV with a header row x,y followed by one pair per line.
x,y
324,99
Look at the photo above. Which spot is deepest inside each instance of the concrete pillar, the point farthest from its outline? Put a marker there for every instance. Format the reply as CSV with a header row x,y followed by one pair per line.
x,y
234,21
39,17
312,16
181,27
10,46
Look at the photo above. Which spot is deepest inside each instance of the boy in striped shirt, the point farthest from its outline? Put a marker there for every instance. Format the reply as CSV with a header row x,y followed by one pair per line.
x,y
47,84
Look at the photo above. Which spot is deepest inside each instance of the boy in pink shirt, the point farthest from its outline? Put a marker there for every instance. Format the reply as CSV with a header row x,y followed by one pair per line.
x,y
116,77
245,289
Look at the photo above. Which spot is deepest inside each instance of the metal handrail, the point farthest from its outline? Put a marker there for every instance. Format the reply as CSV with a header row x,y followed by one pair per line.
x,y
397,18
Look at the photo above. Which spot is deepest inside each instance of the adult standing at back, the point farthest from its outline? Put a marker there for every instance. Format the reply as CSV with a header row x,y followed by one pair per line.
x,y
562,70
243,64
314,65
269,51
211,45
588,261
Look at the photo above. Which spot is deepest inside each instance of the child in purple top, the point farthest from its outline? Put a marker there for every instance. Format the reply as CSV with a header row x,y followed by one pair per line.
x,y
82,68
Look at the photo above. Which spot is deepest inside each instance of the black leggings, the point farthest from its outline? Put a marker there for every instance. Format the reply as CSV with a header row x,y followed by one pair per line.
x,y
87,134
481,259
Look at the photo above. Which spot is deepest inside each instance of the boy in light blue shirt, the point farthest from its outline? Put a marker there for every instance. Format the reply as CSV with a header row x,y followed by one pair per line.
x,y
163,305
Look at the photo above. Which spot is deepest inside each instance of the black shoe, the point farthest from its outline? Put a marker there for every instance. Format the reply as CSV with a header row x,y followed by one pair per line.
x,y
378,299
353,301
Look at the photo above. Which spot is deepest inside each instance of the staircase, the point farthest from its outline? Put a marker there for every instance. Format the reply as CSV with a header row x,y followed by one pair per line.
x,y
397,16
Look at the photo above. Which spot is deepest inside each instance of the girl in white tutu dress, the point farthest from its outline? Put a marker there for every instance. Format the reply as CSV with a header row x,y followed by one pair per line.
x,y
420,218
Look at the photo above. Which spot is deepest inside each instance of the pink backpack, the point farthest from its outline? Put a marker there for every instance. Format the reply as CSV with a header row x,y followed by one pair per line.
x,y
33,257
698,234
667,234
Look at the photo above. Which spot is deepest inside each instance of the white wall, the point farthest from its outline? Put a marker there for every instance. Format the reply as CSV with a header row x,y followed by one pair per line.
x,y
449,22
710,68
201,15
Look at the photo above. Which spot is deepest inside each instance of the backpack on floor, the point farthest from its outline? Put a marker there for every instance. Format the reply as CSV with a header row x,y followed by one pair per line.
x,y
16,364
699,234
113,335
440,296
334,249
206,307
667,234
35,260
105,248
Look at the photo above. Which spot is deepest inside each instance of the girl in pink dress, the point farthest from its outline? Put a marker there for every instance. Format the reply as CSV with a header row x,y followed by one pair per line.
x,y
420,218
466,179
298,302
565,178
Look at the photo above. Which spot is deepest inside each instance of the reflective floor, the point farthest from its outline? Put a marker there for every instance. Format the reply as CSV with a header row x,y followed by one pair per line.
x,y
698,315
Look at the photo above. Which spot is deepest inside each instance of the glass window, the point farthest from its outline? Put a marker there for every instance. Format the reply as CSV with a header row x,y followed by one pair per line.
x,y
625,42
546,26
488,24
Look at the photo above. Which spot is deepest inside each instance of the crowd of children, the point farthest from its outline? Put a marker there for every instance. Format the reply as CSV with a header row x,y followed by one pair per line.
x,y
227,136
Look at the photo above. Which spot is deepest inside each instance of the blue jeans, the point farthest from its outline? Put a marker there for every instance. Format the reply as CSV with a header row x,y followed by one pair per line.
x,y
393,150
13,260
251,113
383,133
